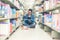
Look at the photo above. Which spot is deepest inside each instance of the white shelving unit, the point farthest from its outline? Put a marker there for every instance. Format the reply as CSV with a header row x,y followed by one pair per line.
x,y
53,31
50,10
8,19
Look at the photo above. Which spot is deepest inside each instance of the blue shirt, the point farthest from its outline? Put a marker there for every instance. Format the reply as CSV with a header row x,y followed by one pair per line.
x,y
28,20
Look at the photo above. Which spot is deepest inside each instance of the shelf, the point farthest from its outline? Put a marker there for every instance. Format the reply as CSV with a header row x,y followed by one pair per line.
x,y
10,3
20,3
12,32
52,9
42,2
16,27
13,29
5,37
13,17
8,18
51,28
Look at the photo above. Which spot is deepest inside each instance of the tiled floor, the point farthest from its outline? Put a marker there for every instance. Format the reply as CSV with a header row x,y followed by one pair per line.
x,y
31,34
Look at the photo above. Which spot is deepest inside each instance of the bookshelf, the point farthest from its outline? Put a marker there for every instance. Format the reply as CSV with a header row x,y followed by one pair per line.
x,y
50,13
11,3
9,17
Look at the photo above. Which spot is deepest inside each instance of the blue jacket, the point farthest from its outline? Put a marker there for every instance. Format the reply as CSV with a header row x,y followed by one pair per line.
x,y
28,20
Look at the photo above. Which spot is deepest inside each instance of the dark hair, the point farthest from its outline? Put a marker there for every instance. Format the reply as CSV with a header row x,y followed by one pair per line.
x,y
30,10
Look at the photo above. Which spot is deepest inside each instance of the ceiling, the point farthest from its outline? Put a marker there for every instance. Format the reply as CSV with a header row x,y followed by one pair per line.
x,y
29,3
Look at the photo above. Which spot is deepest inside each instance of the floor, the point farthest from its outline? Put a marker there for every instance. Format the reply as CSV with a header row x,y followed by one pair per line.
x,y
31,34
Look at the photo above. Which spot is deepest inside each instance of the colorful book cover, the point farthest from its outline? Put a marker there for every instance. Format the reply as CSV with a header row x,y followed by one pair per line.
x,y
48,19
54,22
58,22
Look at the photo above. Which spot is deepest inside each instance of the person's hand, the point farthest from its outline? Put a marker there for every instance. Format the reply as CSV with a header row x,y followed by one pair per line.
x,y
29,21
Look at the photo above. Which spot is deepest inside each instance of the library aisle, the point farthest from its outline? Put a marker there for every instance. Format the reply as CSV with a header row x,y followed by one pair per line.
x,y
31,34
45,14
